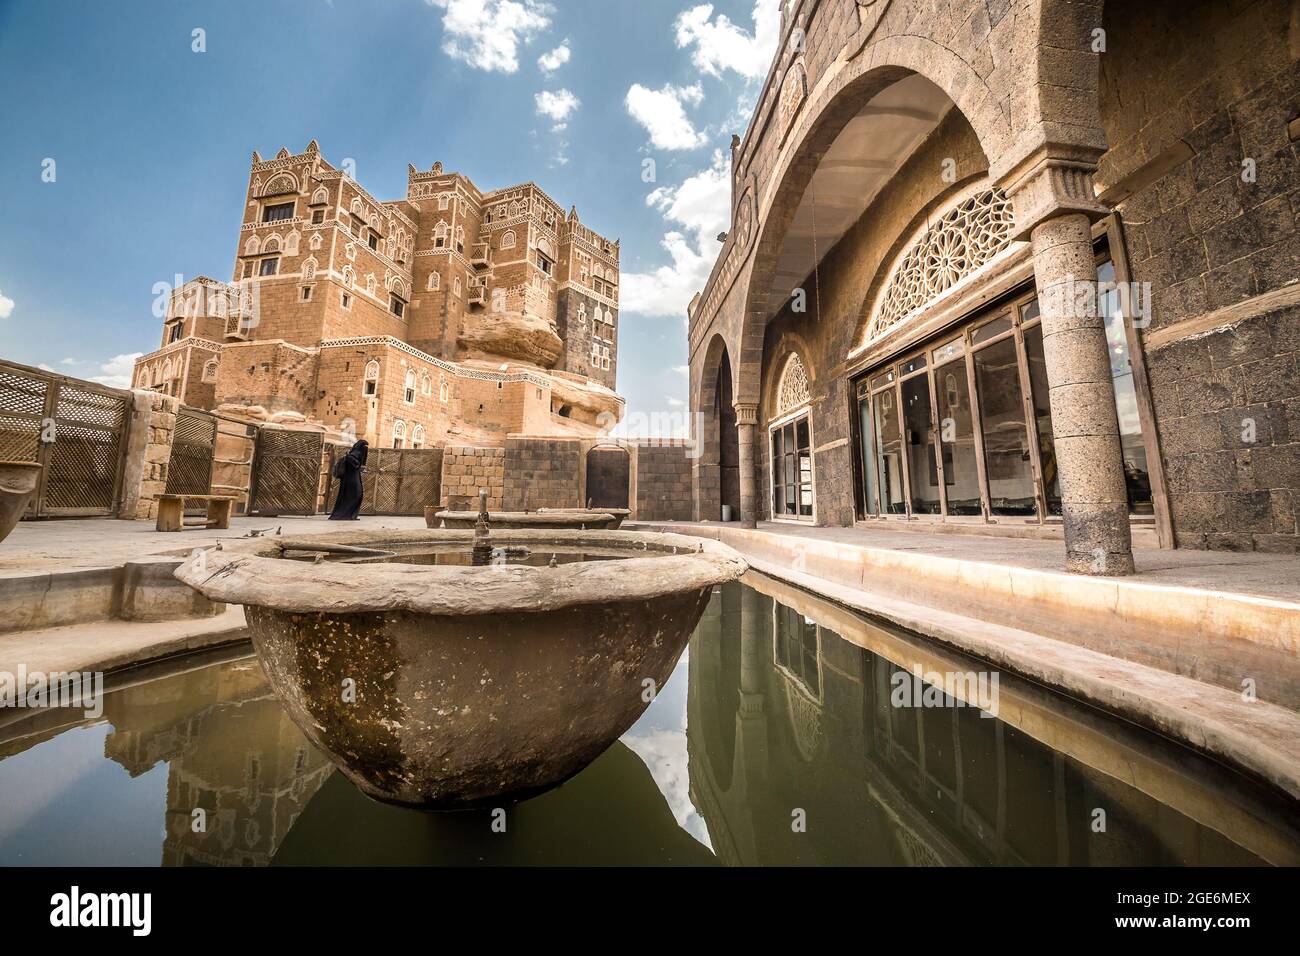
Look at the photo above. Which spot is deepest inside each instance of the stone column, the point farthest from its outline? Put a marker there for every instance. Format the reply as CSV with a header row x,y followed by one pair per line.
x,y
746,425
1055,208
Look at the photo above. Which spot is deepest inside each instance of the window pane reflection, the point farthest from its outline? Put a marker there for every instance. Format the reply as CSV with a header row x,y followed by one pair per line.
x,y
920,445
1137,475
889,453
957,435
1006,445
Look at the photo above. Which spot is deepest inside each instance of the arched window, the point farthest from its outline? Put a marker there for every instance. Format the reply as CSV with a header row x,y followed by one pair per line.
x,y
210,370
455,285
417,436
291,243
440,235
426,384
272,244
370,283
309,268
792,389
252,246
508,239
355,207
443,200
434,283
349,277
444,392
371,382
320,197
399,433
280,183
408,390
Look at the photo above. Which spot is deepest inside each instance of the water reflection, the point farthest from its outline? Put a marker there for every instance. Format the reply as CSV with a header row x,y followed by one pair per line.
x,y
772,720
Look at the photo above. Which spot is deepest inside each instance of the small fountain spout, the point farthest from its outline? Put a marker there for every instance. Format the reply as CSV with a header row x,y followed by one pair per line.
x,y
482,551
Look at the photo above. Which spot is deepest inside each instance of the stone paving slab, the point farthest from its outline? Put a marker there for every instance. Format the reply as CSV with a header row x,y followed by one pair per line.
x,y
64,544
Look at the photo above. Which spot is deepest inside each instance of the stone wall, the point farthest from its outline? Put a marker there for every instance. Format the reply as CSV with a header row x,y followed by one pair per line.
x,y
663,482
1205,92
466,469
542,473
149,450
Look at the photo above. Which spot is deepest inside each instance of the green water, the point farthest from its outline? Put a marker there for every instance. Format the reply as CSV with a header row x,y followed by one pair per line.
x,y
776,741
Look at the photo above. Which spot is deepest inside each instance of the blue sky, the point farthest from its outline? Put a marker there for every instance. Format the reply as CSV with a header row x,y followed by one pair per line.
x,y
151,140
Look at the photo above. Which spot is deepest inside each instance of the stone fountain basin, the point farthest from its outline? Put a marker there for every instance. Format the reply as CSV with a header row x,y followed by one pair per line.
x,y
470,684
18,481
620,514
528,519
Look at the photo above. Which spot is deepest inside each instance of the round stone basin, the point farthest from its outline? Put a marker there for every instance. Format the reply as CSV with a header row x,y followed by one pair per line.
x,y
18,480
445,685
620,514
529,519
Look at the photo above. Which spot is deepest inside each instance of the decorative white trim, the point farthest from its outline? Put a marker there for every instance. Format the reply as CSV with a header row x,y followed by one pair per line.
x,y
945,255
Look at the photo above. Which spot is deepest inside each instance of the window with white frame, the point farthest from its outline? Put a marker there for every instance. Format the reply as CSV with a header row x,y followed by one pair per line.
x,y
417,436
371,381
426,384
444,391
408,390
399,433
434,283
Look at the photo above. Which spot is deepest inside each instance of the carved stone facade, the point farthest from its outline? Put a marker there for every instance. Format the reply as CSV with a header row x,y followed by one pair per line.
x,y
452,314
1065,303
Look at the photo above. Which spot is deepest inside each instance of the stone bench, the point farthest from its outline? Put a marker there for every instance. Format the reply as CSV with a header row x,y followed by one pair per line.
x,y
171,512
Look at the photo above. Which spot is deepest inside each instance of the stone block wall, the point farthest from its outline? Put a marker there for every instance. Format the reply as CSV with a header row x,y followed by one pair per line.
x,y
663,482
542,473
1209,91
466,469
149,450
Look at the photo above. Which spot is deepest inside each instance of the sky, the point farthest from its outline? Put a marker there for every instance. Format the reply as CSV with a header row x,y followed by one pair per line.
x,y
127,128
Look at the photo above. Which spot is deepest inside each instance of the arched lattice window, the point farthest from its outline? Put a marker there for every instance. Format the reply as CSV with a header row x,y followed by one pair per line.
x,y
320,197
408,390
426,384
210,370
309,269
508,239
444,391
399,433
950,250
434,283
371,381
792,390
417,436
252,246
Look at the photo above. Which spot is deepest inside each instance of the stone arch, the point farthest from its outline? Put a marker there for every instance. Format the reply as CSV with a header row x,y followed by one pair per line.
x,y
790,343
718,465
818,123
279,184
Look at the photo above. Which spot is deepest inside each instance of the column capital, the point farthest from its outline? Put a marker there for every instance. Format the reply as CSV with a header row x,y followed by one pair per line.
x,y
1054,181
746,413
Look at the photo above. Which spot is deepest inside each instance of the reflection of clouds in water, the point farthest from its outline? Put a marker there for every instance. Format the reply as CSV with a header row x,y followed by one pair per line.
x,y
659,739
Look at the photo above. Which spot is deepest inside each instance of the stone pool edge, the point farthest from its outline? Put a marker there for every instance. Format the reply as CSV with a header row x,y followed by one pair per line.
x,y
1257,738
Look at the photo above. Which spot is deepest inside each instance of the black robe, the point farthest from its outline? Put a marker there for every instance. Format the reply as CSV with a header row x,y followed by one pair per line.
x,y
348,503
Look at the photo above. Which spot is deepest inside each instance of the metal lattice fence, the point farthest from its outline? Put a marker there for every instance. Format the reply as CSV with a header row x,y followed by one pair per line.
x,y
77,430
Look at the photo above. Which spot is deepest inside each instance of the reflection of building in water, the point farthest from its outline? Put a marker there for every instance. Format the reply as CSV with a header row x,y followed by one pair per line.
x,y
231,751
784,715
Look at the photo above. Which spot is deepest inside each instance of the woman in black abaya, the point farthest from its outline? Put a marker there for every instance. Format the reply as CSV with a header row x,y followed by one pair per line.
x,y
348,472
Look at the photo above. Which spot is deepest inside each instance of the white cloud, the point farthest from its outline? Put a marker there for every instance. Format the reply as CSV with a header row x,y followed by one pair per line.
x,y
6,306
701,207
548,63
663,114
682,369
487,34
559,105
722,45
68,361
116,372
